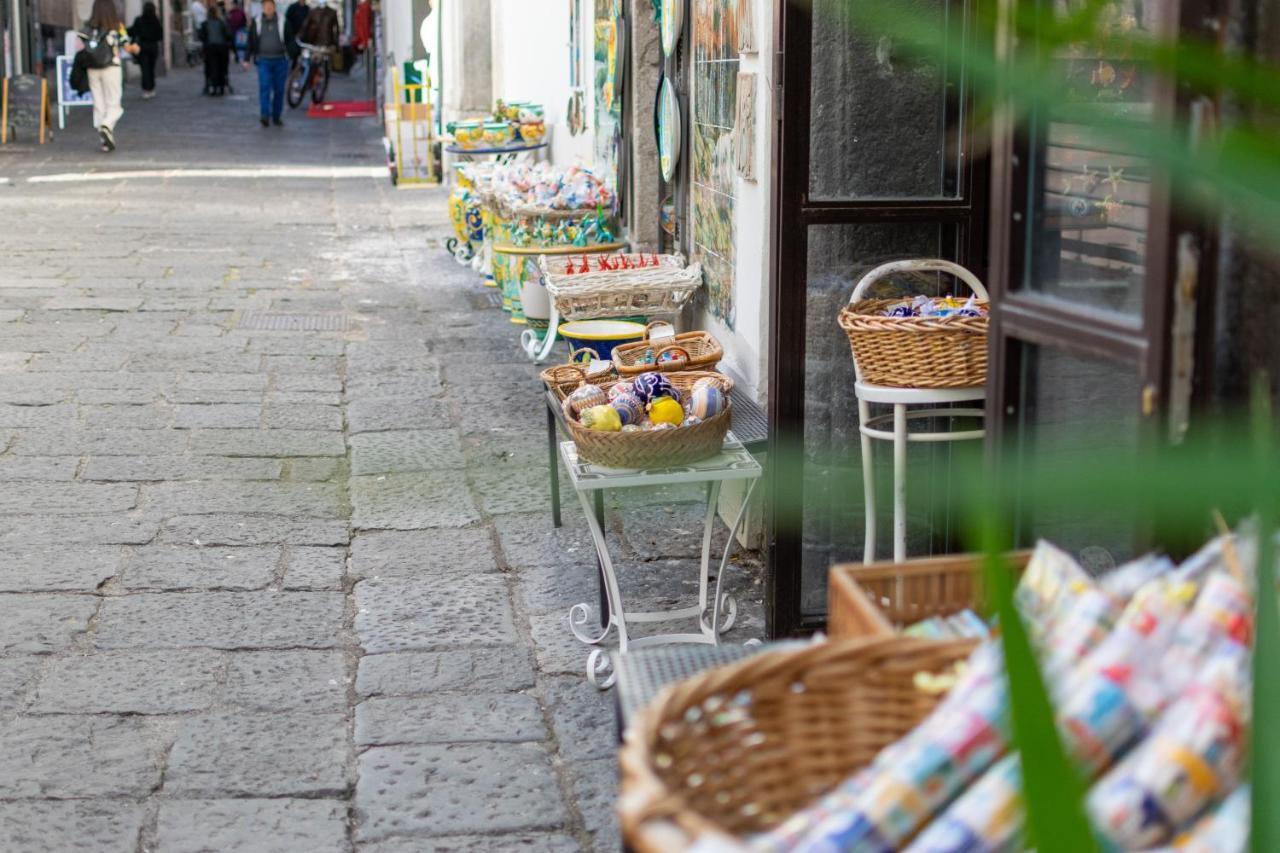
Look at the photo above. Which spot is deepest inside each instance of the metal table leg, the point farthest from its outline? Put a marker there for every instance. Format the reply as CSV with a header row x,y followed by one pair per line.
x,y
553,461
597,507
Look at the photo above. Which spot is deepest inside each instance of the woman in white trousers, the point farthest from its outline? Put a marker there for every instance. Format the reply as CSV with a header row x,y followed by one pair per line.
x,y
107,84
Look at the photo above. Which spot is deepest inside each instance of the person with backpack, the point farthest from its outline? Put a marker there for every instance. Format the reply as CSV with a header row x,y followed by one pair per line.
x,y
148,34
104,38
268,48
215,35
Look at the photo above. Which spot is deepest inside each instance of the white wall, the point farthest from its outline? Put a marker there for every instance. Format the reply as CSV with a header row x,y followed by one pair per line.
x,y
531,63
746,346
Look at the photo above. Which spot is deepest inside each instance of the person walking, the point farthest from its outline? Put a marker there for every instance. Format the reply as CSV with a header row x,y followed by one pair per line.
x,y
294,17
148,34
215,35
267,47
238,23
107,83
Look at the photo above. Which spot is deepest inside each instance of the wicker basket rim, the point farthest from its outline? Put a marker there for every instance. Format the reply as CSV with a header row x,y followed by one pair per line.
x,y
646,799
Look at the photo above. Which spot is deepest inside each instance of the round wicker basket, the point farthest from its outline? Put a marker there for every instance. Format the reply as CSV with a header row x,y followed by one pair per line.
x,y
739,749
653,448
915,352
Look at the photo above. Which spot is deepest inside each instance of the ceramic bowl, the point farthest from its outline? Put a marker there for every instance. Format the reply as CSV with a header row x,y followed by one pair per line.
x,y
601,336
497,133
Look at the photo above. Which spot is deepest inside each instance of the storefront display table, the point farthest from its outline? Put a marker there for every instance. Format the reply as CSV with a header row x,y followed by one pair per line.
x,y
502,153
747,421
871,428
715,611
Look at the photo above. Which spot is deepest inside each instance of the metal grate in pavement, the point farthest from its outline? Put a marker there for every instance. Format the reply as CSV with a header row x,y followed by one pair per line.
x,y
273,321
488,298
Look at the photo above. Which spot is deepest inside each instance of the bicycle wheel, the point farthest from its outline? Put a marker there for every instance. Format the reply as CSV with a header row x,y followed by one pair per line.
x,y
321,85
295,88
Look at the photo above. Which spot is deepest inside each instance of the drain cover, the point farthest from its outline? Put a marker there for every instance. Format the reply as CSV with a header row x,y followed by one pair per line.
x,y
489,298
277,322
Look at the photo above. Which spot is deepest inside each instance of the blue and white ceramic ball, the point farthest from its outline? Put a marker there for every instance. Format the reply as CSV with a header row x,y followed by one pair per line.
x,y
630,409
707,401
649,386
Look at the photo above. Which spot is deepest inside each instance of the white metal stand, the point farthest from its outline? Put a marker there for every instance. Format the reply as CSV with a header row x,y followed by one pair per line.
x,y
733,463
900,399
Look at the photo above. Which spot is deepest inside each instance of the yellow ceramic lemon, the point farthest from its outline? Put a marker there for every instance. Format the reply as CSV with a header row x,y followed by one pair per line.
x,y
604,418
665,410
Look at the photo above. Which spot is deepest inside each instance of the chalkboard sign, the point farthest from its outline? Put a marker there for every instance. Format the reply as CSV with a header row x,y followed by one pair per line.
x,y
24,107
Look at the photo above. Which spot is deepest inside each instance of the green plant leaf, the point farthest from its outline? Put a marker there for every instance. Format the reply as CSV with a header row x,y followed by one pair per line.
x,y
1265,747
1052,789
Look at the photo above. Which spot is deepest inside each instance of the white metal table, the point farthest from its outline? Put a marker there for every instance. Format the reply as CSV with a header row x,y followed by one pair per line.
x,y
733,462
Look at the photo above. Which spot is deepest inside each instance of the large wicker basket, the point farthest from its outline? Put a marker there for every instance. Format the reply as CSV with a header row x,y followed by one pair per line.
x,y
880,598
657,289
915,352
655,448
704,353
739,749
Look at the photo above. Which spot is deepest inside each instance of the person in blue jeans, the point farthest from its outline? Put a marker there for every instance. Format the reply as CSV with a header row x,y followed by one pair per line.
x,y
267,50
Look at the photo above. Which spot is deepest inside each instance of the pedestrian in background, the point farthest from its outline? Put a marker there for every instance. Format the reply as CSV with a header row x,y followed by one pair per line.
x,y
107,83
267,47
294,17
215,35
198,15
238,23
148,34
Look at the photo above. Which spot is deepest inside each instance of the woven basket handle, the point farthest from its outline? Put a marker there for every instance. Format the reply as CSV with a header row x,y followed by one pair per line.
x,y
648,327
678,363
587,352
918,265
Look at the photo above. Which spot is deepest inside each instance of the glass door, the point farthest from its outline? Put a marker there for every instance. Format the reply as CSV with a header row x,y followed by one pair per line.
x,y
876,163
1085,250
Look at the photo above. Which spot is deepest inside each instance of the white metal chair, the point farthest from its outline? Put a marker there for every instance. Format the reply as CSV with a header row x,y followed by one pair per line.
x,y
900,398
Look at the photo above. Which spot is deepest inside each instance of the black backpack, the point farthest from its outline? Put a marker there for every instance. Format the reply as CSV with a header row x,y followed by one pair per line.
x,y
98,50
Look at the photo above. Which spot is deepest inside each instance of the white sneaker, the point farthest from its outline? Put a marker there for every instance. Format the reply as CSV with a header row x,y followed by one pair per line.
x,y
146,96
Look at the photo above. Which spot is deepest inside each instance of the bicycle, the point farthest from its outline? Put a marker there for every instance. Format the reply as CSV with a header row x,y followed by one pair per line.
x,y
310,72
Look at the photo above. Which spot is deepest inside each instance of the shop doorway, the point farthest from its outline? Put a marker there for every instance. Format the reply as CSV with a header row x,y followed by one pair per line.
x,y
877,162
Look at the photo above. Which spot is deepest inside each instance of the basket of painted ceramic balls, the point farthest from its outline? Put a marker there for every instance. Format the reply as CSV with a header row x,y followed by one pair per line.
x,y
654,420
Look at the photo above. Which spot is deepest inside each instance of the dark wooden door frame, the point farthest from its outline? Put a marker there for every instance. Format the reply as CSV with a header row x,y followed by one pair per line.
x,y
1020,316
795,212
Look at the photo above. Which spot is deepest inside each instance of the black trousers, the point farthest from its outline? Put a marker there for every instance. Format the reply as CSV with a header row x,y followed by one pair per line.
x,y
147,57
216,57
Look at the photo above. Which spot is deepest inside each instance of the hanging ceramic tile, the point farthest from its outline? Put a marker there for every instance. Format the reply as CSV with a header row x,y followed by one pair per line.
x,y
744,127
747,26
668,130
672,19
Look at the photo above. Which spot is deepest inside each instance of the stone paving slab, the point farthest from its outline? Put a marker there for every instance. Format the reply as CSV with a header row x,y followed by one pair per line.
x,y
456,789
260,825
129,683
282,680
79,757
56,826
220,620
225,754
502,668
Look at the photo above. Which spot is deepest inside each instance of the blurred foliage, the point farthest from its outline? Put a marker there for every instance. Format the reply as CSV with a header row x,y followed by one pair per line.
x,y
1014,56
1013,59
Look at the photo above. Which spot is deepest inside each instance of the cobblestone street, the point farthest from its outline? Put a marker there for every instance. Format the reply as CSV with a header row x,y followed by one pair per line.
x,y
271,589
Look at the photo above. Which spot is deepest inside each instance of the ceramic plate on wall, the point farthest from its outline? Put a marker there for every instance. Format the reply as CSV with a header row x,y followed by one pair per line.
x,y
668,130
672,20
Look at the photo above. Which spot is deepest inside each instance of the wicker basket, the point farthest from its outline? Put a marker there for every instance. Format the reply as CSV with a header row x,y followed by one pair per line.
x,y
565,378
915,352
704,352
655,448
660,289
877,599
739,749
